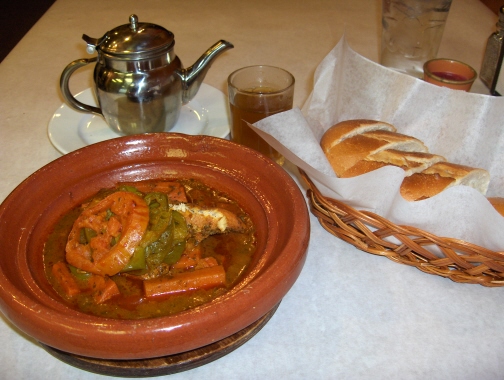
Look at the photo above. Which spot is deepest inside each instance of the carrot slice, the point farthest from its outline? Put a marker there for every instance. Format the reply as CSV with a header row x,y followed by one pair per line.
x,y
185,262
103,288
207,262
189,258
183,282
173,190
65,279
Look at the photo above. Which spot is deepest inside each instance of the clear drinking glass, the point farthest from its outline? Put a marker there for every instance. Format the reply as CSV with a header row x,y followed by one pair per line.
x,y
256,92
412,32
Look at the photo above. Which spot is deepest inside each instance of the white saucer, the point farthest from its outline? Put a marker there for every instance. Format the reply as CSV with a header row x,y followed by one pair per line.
x,y
206,114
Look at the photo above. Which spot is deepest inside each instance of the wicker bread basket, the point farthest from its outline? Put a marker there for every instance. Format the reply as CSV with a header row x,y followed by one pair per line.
x,y
456,259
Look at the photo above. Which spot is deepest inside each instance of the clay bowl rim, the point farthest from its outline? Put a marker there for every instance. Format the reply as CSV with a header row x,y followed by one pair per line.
x,y
41,315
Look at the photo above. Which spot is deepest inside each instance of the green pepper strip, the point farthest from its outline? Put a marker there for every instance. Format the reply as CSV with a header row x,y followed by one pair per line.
x,y
131,189
160,217
157,251
180,231
175,254
86,234
137,261
79,274
164,241
179,239
170,246
159,220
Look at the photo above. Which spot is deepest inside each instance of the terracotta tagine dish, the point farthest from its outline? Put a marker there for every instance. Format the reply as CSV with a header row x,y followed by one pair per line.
x,y
28,216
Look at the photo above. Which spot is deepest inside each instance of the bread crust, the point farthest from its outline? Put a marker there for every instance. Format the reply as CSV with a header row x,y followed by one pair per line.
x,y
441,176
420,186
399,141
349,128
410,162
498,204
362,167
351,150
463,175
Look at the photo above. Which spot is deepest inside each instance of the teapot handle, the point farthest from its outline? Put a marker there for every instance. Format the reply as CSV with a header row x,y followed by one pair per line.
x,y
69,98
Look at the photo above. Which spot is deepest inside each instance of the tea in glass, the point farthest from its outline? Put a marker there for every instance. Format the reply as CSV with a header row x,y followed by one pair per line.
x,y
256,92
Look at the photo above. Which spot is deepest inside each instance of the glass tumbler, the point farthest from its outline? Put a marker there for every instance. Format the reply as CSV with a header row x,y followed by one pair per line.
x,y
256,92
411,33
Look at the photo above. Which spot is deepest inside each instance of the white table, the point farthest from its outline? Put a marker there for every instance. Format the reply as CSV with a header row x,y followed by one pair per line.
x,y
350,314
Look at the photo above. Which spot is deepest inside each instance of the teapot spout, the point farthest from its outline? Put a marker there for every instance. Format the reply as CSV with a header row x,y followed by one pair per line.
x,y
193,76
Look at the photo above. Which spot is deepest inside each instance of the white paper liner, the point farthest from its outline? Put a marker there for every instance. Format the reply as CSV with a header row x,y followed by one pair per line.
x,y
465,128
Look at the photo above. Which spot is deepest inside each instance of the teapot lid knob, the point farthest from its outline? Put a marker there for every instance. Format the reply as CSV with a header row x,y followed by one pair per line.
x,y
135,40
133,22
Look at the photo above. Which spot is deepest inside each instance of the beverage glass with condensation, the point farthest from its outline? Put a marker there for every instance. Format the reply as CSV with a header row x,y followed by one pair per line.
x,y
411,33
256,92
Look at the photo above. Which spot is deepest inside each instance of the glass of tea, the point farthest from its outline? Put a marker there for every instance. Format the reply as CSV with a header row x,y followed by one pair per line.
x,y
256,92
449,73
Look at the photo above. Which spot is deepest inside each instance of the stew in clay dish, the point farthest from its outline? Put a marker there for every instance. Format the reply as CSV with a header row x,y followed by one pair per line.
x,y
149,249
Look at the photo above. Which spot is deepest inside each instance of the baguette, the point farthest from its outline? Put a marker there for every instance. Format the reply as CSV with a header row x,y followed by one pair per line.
x,y
351,150
355,147
441,176
410,162
349,128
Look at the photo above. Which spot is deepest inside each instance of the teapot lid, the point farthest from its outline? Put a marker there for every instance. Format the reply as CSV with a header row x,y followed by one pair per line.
x,y
138,39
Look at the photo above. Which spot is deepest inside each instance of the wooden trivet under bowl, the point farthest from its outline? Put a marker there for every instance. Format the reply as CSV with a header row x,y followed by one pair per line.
x,y
166,365
455,259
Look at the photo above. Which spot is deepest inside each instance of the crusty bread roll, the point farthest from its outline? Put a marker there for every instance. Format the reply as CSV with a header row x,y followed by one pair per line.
x,y
350,128
498,203
351,150
355,147
441,176
410,162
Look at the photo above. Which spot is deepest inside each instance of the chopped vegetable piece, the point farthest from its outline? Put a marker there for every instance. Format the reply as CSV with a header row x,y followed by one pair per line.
x,y
174,190
160,217
189,258
65,279
131,189
131,217
207,262
175,255
103,288
180,231
78,273
137,260
180,283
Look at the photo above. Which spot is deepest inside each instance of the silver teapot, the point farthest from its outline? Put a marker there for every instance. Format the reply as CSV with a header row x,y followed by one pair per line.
x,y
140,83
